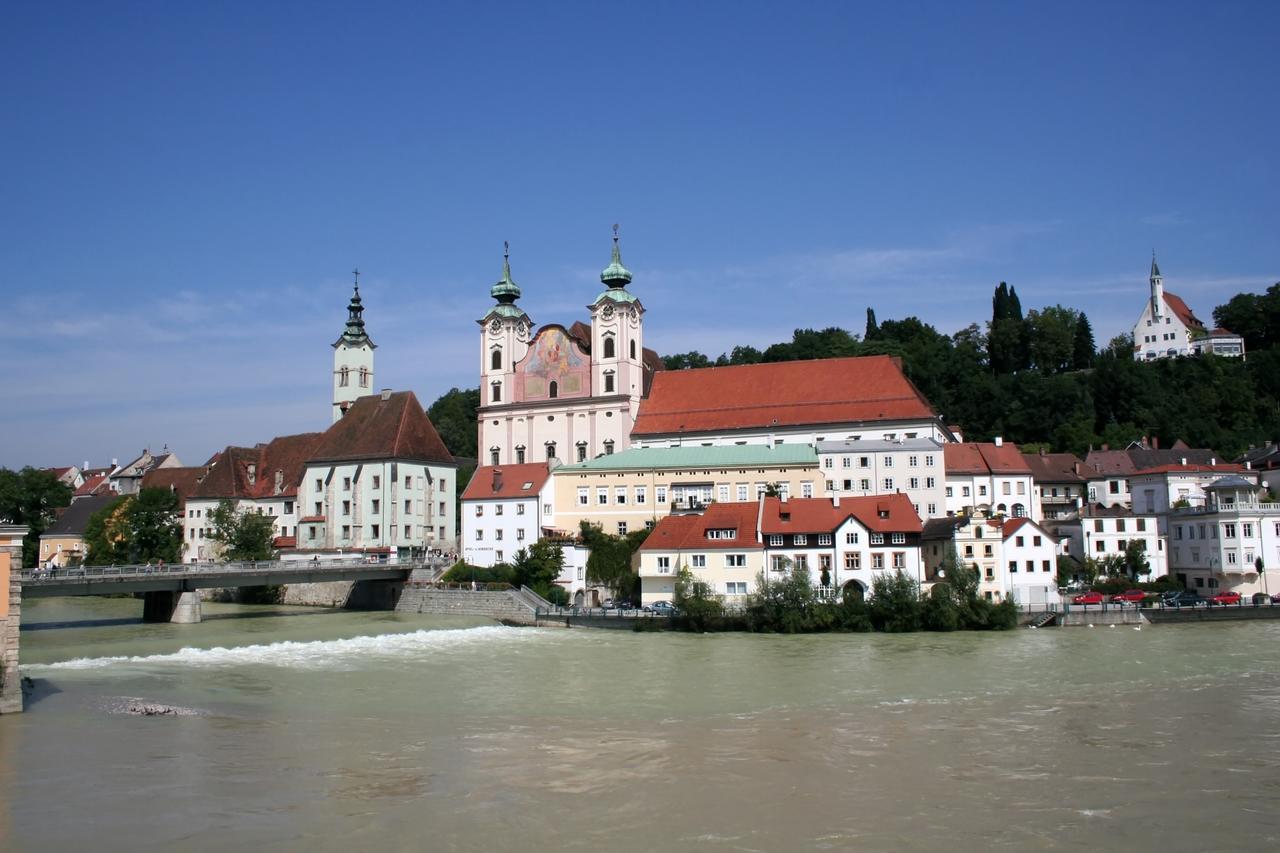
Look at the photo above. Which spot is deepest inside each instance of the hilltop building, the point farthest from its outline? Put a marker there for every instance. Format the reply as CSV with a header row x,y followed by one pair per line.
x,y
1168,328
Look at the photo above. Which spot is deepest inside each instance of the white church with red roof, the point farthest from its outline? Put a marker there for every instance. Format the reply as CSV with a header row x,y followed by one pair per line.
x,y
1169,328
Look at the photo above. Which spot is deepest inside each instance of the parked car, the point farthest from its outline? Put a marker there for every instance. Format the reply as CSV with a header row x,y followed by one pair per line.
x,y
661,608
1129,596
1226,598
1261,598
1091,597
1184,598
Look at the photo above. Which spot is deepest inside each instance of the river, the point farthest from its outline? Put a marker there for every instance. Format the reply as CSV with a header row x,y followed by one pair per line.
x,y
335,731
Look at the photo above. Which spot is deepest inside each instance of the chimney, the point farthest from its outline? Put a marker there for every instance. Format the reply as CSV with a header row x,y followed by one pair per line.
x,y
497,479
386,394
835,501
1213,461
1248,466
252,471
86,465
1043,451
998,441
1184,460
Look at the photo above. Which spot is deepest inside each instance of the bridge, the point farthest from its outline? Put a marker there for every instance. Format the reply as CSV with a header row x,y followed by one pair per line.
x,y
171,592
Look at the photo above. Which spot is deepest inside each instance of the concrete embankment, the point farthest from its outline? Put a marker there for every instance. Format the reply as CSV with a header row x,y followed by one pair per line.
x,y
504,605
1112,616
1175,615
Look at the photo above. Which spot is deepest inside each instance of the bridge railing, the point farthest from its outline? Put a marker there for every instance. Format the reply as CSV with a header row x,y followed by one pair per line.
x,y
39,575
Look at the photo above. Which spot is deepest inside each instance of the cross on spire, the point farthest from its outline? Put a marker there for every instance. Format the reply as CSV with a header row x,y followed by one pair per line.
x,y
356,273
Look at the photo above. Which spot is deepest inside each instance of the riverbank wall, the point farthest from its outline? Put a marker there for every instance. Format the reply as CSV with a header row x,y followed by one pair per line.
x,y
1114,616
496,604
1182,615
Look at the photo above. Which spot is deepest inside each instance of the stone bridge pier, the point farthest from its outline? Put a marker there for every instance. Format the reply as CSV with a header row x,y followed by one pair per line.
x,y
181,608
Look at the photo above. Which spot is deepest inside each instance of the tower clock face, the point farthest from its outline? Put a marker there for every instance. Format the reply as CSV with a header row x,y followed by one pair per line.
x,y
607,312
634,315
521,330
495,326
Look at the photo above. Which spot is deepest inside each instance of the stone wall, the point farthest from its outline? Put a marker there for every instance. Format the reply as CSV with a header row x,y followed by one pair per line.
x,y
464,602
10,620
331,594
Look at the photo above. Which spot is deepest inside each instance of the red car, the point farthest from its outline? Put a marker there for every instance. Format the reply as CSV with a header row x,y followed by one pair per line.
x,y
1225,598
1129,596
1088,598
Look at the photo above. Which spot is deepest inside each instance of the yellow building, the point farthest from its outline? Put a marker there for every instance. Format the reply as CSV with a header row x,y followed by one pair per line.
x,y
628,491
63,543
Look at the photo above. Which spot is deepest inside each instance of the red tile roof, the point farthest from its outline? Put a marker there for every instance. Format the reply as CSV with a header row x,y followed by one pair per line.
x,y
879,513
1185,314
285,542
1055,467
374,428
1220,468
679,532
96,484
974,457
787,393
229,475
182,481
506,481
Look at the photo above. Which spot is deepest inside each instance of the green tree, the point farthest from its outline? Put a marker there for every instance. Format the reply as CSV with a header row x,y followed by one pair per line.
x,y
609,563
31,497
1051,333
873,329
107,534
155,531
697,605
1135,559
454,417
243,535
1083,349
895,604
686,360
537,567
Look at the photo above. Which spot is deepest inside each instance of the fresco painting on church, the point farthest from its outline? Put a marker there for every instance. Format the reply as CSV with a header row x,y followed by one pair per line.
x,y
554,358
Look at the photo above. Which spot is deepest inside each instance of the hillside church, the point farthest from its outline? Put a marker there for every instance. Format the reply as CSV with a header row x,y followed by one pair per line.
x,y
569,394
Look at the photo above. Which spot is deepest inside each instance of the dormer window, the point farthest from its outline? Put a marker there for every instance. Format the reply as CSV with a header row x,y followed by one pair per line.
x,y
519,454
608,447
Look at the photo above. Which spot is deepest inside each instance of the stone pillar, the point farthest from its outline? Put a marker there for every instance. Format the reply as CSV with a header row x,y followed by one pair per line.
x,y
181,608
10,617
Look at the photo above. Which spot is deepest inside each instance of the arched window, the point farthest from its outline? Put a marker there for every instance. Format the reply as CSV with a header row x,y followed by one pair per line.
x,y
1019,511
608,346
608,382
582,451
608,447
495,358
551,450
519,454
553,390
633,350
344,377
364,377
493,456
496,392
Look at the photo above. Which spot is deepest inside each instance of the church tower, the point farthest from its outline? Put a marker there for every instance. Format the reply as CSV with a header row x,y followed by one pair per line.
x,y
504,340
617,335
352,358
1157,290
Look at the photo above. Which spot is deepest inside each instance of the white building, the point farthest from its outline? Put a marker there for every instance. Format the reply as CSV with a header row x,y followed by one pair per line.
x,y
352,359
380,479
913,466
504,509
1168,328
1162,488
844,544
1106,531
1219,545
991,478
1014,557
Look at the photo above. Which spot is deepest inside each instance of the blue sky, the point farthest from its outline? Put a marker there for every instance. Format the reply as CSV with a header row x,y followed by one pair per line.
x,y
186,186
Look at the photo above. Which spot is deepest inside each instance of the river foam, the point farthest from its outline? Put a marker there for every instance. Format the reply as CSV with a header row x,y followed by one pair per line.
x,y
317,654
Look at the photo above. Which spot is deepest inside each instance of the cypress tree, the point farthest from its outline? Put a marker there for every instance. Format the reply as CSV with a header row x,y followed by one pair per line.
x,y
873,329
1082,346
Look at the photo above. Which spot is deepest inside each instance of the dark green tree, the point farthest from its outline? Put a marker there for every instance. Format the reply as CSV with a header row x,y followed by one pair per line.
x,y
537,567
243,535
107,535
697,605
155,528
685,360
895,604
31,497
873,330
1083,350
454,417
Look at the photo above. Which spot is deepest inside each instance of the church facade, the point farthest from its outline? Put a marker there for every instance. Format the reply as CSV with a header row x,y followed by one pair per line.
x,y
563,393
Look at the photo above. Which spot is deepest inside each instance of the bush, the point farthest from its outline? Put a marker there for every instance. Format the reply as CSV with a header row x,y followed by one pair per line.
x,y
557,595
462,572
895,604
